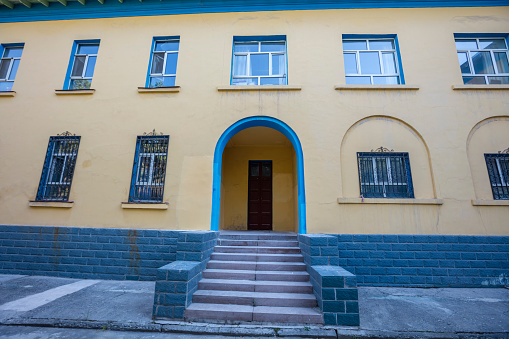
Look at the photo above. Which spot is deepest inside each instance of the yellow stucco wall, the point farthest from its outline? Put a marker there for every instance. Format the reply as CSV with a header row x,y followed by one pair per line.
x,y
109,120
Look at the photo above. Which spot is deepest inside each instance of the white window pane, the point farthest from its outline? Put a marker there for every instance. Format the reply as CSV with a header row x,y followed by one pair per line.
x,y
90,67
278,64
88,49
4,67
171,63
389,63
501,61
462,58
482,62
462,44
14,69
474,81
13,52
498,80
5,86
80,84
358,80
245,81
157,63
381,44
492,44
273,81
350,63
273,47
167,46
386,80
354,45
244,47
259,64
240,63
370,63
79,63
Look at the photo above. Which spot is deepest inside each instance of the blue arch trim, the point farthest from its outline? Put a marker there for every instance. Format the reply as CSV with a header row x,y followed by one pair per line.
x,y
257,121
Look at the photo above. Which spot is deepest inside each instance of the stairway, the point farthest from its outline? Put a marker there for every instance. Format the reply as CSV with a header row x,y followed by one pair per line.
x,y
255,276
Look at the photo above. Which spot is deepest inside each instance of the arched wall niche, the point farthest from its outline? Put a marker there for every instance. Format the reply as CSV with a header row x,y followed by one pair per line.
x,y
384,131
490,135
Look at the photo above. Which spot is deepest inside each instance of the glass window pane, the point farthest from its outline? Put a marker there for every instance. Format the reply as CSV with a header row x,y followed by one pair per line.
x,y
354,45
259,64
255,169
278,64
501,61
381,44
4,67
79,63
5,86
169,81
358,80
273,46
350,63
13,52
482,62
244,47
474,81
240,63
273,81
462,44
90,67
14,69
266,169
171,63
80,84
389,62
88,49
245,81
386,80
498,80
167,46
465,67
492,44
157,63
156,82
370,63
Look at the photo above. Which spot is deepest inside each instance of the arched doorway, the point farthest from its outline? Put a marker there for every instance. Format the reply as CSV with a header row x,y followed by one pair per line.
x,y
258,121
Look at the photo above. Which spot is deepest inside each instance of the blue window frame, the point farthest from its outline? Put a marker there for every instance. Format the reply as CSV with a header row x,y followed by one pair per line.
x,y
385,175
498,171
162,70
58,169
372,60
149,169
82,64
259,60
9,62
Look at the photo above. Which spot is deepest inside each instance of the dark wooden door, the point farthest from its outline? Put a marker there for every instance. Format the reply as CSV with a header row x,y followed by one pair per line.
x,y
259,196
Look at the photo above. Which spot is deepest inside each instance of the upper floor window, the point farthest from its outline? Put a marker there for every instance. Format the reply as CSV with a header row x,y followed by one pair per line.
x,y
83,64
371,61
385,174
58,170
483,60
498,171
149,168
259,61
163,64
9,63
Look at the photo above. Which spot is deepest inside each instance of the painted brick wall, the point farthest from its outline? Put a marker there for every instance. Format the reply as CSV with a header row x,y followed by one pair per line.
x,y
426,260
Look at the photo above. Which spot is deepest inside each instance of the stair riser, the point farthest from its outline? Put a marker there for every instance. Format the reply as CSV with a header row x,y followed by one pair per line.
x,y
256,257
198,315
264,243
254,288
229,275
239,265
281,277
258,237
287,318
252,276
275,250
237,300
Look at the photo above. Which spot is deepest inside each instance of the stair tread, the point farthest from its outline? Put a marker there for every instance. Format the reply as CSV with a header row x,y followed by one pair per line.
x,y
263,247
257,272
263,254
220,307
256,282
254,309
259,262
308,296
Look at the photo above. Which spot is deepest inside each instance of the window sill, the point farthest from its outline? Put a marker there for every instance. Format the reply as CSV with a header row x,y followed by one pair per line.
x,y
7,93
172,89
400,201
490,202
145,206
376,88
58,204
74,91
258,88
480,87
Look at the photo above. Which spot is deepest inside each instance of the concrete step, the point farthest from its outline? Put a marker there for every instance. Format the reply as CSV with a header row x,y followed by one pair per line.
x,y
249,235
199,311
255,298
259,266
256,286
300,315
258,257
263,243
210,273
256,249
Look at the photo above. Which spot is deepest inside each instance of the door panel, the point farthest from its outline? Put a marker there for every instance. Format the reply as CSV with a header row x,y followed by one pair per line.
x,y
259,195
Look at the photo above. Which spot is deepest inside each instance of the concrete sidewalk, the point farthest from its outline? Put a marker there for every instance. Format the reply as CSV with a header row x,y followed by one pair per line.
x,y
127,306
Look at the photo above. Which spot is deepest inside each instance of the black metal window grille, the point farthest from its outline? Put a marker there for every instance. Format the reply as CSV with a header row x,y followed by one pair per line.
x,y
385,175
58,170
498,171
149,169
